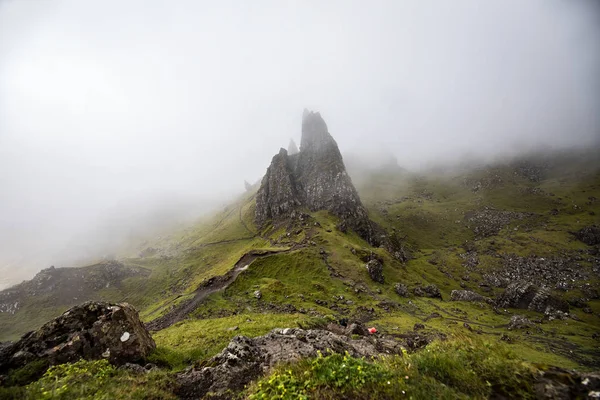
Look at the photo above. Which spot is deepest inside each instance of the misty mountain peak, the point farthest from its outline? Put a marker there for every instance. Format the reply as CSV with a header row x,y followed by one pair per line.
x,y
292,148
315,135
314,178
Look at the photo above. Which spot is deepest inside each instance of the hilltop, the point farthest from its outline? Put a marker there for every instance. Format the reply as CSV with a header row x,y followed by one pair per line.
x,y
502,256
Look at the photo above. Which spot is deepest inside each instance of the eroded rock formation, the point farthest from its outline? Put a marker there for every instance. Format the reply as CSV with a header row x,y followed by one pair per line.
x,y
314,178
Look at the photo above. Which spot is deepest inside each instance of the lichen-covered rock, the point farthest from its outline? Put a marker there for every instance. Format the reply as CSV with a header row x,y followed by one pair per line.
x,y
528,296
467,295
431,291
375,269
401,289
245,359
559,384
92,330
519,322
315,178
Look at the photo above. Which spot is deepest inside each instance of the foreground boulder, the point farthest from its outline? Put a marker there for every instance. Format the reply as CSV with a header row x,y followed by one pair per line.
x,y
528,296
91,331
245,359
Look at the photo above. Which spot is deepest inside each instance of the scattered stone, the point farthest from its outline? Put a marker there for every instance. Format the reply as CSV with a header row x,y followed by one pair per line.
x,y
401,289
488,221
431,291
258,294
551,314
519,322
418,327
233,328
467,295
506,338
91,331
375,269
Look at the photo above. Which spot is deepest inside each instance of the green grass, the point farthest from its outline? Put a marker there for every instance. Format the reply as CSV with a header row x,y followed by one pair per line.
x,y
457,369
196,340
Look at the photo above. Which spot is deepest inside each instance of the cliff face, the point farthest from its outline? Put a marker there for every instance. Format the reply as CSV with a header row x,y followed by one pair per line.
x,y
314,178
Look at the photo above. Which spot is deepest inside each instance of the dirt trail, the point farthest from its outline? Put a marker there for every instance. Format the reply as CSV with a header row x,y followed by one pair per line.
x,y
209,287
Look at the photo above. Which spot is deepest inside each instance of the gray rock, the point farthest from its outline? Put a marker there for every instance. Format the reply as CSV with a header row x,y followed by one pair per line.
x,y
314,178
467,295
519,322
431,291
528,296
245,359
401,289
375,269
91,331
589,235
257,294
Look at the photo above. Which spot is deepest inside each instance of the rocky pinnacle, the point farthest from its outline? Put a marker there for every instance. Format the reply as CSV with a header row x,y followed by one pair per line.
x,y
315,178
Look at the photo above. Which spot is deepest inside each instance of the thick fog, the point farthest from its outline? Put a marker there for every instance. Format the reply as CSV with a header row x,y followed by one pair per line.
x,y
115,113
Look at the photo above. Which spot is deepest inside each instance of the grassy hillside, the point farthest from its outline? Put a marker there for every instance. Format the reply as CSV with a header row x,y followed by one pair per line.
x,y
464,228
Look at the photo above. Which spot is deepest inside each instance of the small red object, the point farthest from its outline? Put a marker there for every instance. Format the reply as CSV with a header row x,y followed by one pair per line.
x,y
372,330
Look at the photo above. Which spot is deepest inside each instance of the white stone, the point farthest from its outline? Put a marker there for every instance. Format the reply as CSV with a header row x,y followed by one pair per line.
x,y
125,337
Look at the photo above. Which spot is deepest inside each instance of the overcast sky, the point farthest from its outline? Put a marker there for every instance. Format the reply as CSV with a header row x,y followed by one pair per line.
x,y
109,104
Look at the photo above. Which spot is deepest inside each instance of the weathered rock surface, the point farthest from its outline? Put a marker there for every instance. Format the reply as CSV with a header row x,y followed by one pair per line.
x,y
245,359
467,295
401,289
519,322
428,291
375,269
589,235
93,330
528,296
315,178
559,384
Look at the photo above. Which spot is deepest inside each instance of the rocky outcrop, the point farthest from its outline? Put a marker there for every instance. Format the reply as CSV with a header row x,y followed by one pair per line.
x,y
314,178
68,286
528,296
245,359
375,270
467,295
401,289
589,235
560,384
93,330
431,291
519,322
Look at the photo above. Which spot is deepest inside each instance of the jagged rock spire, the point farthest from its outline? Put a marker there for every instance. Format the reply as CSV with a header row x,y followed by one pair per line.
x,y
292,148
315,178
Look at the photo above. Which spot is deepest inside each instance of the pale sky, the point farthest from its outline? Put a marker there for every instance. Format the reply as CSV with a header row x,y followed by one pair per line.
x,y
111,108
